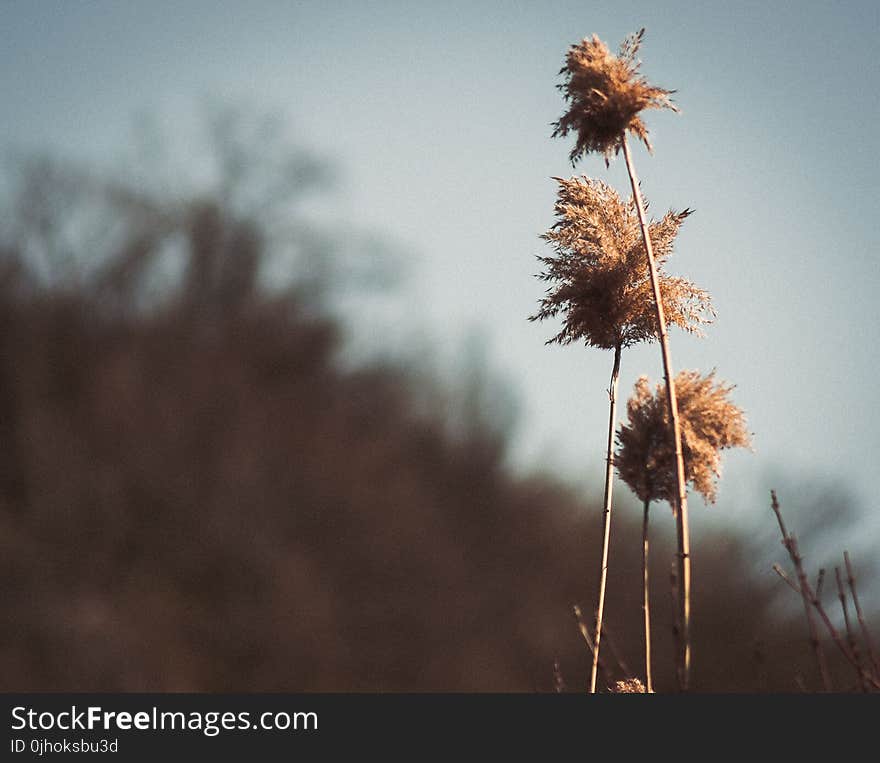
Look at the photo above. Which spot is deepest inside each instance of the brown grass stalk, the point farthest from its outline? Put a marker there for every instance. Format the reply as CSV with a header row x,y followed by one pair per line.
x,y
680,505
676,612
606,515
646,606
782,573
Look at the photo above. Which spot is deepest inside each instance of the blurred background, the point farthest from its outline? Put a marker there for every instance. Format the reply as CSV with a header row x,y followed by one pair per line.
x,y
271,413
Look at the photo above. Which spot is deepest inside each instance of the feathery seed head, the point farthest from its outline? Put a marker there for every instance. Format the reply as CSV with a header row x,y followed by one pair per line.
x,y
606,94
601,282
710,423
629,686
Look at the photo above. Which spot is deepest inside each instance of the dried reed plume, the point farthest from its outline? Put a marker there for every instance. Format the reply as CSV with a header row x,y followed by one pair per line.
x,y
710,424
606,94
646,460
602,286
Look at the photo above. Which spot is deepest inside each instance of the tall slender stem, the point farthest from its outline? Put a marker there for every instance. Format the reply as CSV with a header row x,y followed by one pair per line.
x,y
676,612
682,528
646,607
606,515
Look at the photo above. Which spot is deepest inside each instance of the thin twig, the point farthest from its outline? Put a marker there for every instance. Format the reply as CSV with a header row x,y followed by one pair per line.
x,y
791,546
866,635
850,636
838,640
676,612
820,581
790,542
779,571
836,637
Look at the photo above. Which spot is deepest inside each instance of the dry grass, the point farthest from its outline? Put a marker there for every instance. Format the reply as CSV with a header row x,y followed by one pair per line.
x,y
606,94
629,686
710,423
601,285
646,460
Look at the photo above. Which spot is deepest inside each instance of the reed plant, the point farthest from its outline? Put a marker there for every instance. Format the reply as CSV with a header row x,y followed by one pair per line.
x,y
646,461
601,286
606,95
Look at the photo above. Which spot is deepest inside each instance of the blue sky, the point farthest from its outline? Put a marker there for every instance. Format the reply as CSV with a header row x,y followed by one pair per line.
x,y
437,116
